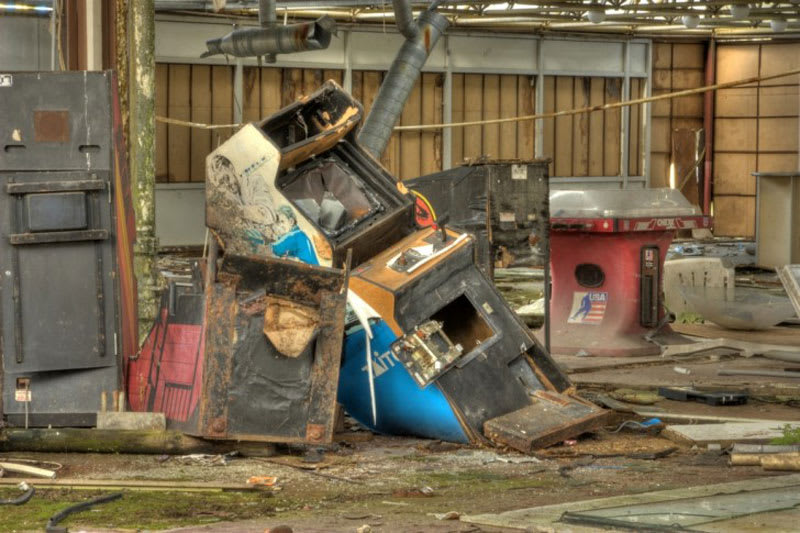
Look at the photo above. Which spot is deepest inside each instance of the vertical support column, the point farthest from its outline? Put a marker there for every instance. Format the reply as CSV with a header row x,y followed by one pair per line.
x,y
238,91
347,81
648,114
626,116
708,125
538,146
142,155
447,111
122,65
53,36
94,35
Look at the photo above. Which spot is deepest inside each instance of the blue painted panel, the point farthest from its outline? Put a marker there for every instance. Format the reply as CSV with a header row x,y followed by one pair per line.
x,y
403,407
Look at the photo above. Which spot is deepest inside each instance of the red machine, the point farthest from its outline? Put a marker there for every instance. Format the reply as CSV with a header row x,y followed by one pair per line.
x,y
607,258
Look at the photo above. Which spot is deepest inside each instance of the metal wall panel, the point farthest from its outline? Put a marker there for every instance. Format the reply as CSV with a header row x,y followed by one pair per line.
x,y
60,310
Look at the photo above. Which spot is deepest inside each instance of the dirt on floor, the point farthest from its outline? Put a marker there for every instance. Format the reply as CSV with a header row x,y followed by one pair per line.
x,y
389,484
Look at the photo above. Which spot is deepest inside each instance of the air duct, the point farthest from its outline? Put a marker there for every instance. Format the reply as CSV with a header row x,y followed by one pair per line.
x,y
274,39
402,76
404,18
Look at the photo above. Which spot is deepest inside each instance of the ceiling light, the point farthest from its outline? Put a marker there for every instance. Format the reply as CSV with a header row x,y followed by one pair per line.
x,y
596,16
690,21
740,11
778,25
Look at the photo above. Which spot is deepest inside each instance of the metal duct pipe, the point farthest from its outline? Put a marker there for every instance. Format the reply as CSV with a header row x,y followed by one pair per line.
x,y
267,18
404,18
398,83
249,42
266,13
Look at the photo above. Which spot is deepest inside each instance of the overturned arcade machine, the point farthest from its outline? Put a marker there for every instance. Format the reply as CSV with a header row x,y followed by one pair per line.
x,y
429,347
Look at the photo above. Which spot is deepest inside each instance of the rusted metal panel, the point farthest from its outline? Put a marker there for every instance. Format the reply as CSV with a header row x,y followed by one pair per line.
x,y
51,126
552,418
64,247
313,124
218,363
253,390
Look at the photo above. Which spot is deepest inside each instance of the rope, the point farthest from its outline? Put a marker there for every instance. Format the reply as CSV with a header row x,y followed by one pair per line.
x,y
523,118
200,125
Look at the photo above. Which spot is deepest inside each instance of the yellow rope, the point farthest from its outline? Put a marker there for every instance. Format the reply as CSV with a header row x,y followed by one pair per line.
x,y
523,118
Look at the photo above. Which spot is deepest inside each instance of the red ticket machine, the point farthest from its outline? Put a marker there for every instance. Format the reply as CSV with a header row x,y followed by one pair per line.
x,y
607,258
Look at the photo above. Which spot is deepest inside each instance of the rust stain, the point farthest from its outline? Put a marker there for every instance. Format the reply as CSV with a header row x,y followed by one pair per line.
x,y
315,432
51,126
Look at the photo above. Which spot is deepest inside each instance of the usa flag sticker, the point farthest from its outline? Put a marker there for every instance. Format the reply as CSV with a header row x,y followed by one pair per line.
x,y
588,307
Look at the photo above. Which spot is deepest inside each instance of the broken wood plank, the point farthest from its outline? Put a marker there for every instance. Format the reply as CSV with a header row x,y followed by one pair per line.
x,y
79,440
551,419
725,434
130,420
133,484
781,461
29,470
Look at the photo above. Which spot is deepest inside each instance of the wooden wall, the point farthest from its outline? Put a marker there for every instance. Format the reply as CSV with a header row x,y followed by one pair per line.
x,y
676,66
490,96
756,129
410,153
203,93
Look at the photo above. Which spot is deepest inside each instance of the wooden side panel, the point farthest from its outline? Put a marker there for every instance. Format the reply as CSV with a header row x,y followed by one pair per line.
x,y
201,112
509,103
733,173
491,110
734,216
635,130
756,128
221,102
549,124
662,55
312,80
737,62
179,150
688,55
251,105
473,110
777,58
292,86
659,170
580,127
596,128
162,139
735,135
410,141
613,125
526,136
430,114
271,86
736,102
457,134
562,165
777,135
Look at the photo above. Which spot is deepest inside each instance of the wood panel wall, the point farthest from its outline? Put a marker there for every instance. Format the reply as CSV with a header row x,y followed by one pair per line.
x,y
756,129
586,144
490,96
676,66
410,153
204,93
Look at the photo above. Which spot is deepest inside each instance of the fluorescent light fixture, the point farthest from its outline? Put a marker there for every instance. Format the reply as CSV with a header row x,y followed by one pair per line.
x,y
740,11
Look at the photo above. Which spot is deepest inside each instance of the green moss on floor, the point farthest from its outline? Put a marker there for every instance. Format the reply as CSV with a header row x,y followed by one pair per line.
x,y
136,509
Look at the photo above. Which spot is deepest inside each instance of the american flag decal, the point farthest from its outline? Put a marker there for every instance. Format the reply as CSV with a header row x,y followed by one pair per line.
x,y
588,307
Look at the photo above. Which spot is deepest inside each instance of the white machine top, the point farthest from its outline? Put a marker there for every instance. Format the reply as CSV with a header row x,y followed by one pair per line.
x,y
620,203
